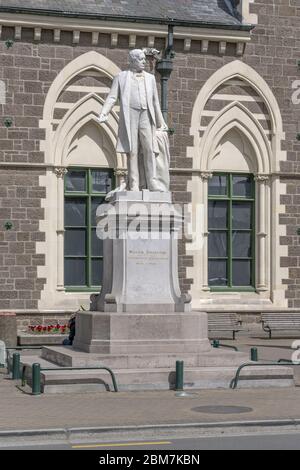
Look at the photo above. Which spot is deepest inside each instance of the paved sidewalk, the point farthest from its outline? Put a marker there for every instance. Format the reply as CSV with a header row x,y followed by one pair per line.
x,y
20,411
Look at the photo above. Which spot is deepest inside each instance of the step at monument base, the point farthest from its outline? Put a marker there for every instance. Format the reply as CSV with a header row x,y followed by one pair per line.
x,y
211,370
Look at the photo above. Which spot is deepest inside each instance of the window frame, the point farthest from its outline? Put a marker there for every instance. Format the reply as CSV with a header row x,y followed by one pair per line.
x,y
230,198
88,195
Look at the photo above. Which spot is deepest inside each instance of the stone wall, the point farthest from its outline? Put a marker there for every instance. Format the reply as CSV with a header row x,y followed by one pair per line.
x,y
274,52
29,67
21,205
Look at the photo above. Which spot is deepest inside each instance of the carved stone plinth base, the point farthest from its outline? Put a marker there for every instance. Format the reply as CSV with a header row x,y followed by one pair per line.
x,y
136,333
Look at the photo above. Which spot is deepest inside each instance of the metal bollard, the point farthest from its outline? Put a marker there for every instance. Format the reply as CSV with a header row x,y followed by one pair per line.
x,y
16,366
254,354
216,343
179,375
36,379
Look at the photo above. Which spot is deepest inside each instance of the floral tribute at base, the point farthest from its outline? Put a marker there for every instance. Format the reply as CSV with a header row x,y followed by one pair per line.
x,y
48,329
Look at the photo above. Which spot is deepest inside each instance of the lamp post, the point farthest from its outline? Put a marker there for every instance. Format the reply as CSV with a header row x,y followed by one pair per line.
x,y
165,67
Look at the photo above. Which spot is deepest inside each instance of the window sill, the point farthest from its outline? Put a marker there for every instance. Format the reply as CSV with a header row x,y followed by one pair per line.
x,y
94,290
231,289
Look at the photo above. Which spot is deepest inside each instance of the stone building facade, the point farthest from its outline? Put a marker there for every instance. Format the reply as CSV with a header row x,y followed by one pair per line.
x,y
234,105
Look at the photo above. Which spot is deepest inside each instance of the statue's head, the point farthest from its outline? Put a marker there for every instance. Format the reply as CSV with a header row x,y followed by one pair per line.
x,y
137,60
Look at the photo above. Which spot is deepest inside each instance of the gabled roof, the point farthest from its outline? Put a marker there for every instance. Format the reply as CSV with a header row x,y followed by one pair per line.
x,y
185,12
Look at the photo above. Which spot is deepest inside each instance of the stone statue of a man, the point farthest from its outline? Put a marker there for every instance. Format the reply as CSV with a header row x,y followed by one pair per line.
x,y
140,119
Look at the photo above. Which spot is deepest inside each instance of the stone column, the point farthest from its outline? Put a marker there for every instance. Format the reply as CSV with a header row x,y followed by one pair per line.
x,y
261,233
60,229
205,176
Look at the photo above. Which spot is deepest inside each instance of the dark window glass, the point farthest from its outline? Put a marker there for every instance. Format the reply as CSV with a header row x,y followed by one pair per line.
x,y
97,271
217,244
75,242
82,248
75,212
241,215
231,233
75,181
217,273
217,185
96,202
217,214
242,186
97,244
241,273
241,244
75,272
101,181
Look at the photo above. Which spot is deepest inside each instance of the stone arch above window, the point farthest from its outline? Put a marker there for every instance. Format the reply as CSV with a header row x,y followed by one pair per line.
x,y
87,70
80,131
233,153
87,79
237,117
93,143
237,128
238,83
241,92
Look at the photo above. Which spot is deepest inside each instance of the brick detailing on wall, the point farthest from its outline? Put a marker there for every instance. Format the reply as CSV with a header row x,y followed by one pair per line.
x,y
20,203
290,219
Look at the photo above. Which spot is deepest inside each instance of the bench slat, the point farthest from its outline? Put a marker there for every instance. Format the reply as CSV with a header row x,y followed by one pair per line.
x,y
280,321
224,322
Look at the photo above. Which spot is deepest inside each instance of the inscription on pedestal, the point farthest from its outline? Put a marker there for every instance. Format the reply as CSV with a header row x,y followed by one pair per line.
x,y
148,270
146,257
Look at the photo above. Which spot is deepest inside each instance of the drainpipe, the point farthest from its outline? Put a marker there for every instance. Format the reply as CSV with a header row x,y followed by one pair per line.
x,y
165,67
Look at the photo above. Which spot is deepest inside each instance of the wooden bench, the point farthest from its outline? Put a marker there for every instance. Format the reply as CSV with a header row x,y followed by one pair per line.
x,y
224,322
280,321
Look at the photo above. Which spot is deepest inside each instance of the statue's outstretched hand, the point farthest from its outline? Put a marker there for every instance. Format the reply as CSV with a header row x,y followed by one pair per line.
x,y
163,127
102,118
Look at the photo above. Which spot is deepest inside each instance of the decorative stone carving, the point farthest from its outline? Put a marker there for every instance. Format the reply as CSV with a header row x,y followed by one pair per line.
x,y
114,39
119,172
204,45
222,47
187,44
18,32
206,175
76,37
60,172
37,34
240,46
95,38
261,178
56,35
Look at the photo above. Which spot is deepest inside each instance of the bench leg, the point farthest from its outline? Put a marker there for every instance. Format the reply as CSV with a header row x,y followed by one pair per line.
x,y
233,335
270,334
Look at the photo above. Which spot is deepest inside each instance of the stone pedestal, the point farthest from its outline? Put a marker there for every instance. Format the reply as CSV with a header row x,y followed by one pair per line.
x,y
141,333
140,308
140,254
